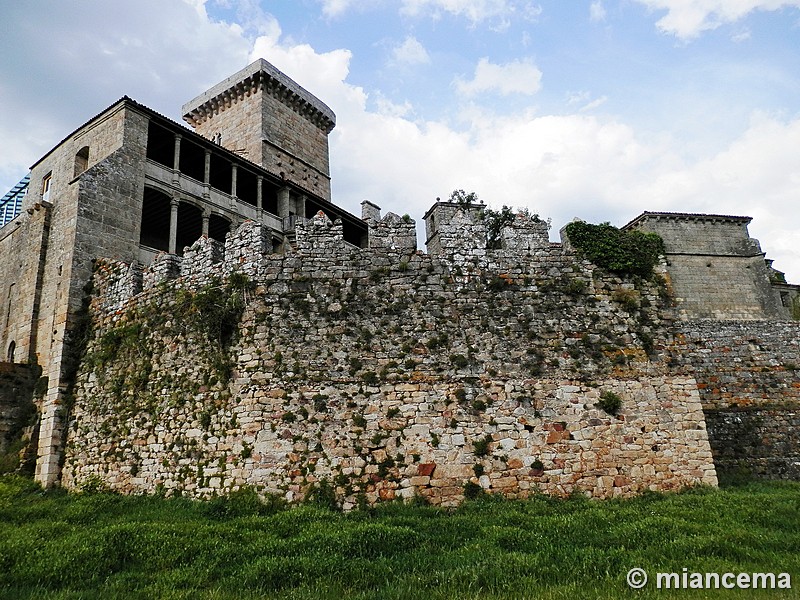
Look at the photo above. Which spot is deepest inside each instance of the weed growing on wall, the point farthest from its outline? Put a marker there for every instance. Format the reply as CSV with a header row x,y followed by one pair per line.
x,y
610,402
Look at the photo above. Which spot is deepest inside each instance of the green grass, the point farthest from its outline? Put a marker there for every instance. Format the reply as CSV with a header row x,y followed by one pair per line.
x,y
55,545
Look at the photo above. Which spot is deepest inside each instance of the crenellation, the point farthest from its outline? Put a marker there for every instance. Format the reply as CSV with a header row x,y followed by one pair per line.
x,y
164,267
392,233
526,234
246,247
201,258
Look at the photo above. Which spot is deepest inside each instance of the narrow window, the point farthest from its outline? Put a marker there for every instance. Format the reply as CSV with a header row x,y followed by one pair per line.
x,y
12,347
11,298
81,161
46,186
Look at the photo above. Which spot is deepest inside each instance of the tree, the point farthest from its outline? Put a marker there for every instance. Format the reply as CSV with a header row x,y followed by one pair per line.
x,y
463,198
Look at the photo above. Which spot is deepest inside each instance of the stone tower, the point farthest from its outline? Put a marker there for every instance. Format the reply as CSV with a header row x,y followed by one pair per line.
x,y
264,116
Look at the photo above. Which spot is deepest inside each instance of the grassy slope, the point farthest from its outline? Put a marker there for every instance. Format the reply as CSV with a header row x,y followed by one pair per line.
x,y
54,545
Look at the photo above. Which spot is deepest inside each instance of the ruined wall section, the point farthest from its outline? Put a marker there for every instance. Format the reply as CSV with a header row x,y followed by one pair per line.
x,y
386,374
748,375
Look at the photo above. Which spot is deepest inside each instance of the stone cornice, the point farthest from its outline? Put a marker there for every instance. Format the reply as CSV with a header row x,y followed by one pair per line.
x,y
259,76
695,217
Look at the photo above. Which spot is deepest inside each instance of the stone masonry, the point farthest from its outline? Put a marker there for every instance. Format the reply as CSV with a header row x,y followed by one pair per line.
x,y
385,372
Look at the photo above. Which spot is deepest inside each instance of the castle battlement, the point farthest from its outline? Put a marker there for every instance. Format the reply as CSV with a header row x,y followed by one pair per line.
x,y
249,250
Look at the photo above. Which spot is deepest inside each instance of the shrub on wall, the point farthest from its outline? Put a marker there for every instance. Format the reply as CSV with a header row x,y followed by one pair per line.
x,y
622,252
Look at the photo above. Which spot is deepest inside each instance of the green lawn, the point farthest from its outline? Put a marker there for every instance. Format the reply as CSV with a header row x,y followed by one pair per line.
x,y
55,545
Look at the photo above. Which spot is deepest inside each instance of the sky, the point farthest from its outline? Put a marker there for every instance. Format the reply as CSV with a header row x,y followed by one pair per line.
x,y
596,109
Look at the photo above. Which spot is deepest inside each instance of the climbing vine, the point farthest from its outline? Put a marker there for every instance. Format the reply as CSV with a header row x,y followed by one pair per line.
x,y
621,252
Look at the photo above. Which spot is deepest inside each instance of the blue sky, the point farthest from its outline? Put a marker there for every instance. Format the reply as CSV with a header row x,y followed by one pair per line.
x,y
599,109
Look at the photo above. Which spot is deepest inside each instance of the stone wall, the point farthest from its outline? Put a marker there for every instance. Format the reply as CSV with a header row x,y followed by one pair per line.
x,y
748,375
17,382
18,411
742,364
23,247
92,212
386,373
295,146
756,442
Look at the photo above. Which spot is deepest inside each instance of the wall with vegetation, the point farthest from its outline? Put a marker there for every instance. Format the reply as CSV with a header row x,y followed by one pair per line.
x,y
382,373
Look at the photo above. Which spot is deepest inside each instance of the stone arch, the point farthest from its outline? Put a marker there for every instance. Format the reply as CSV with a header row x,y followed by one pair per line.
x,y
81,161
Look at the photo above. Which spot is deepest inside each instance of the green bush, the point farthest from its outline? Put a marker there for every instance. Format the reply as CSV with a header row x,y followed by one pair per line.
x,y
244,502
610,402
459,361
622,252
481,447
472,490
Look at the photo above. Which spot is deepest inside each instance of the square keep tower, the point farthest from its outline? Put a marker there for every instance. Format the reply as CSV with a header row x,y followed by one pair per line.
x,y
269,119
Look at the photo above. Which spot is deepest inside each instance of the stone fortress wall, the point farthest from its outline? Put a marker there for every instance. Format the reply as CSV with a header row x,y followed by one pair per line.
x,y
384,371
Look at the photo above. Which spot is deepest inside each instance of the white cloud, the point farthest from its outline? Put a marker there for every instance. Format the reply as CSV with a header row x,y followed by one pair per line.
x,y
516,77
594,103
687,19
597,11
499,11
741,36
410,52
58,79
334,8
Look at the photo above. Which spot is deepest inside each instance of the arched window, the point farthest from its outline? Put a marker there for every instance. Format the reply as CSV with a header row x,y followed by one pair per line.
x,y
81,161
12,347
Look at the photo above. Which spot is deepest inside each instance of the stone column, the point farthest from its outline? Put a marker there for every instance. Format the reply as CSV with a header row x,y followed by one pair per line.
x,y
176,159
173,225
301,206
284,202
259,199
234,199
207,176
206,217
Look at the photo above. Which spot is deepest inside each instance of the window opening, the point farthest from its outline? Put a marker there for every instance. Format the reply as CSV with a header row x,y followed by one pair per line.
x,y
46,186
81,161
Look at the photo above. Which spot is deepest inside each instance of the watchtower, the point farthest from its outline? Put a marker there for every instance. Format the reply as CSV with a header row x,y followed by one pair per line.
x,y
265,117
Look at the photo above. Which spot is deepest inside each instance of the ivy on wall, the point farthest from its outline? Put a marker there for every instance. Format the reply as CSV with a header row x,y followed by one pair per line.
x,y
621,252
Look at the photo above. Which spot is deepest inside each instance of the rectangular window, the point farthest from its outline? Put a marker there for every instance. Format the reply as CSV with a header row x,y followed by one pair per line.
x,y
46,186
